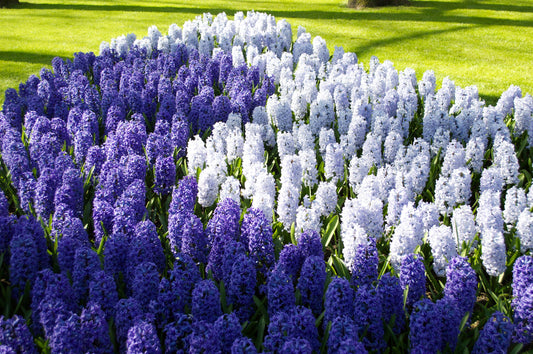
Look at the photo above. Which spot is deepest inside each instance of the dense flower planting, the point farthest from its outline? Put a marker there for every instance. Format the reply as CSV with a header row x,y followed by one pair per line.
x,y
223,188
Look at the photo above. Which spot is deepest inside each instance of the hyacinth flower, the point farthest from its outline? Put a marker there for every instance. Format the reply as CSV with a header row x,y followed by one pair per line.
x,y
368,312
86,264
127,313
49,285
146,246
280,292
297,323
142,338
243,345
103,292
206,301
291,260
145,283
461,284
229,329
413,278
177,334
257,232
67,336
365,264
241,287
14,333
495,337
312,282
339,300
523,299
24,260
94,330
391,294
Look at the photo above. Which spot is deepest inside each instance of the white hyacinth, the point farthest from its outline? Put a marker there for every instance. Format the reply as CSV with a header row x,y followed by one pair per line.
x,y
443,248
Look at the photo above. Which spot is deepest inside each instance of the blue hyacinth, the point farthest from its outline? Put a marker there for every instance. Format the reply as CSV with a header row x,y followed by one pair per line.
x,y
413,277
495,337
14,332
142,338
339,300
206,301
312,282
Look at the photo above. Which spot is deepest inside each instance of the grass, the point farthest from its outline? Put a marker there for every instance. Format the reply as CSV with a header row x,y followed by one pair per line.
x,y
484,43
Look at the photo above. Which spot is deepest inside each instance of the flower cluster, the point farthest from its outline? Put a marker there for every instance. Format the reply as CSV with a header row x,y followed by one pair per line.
x,y
222,188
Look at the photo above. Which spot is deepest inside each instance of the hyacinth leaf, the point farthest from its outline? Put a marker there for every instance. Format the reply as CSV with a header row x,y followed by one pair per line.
x,y
517,348
330,231
326,336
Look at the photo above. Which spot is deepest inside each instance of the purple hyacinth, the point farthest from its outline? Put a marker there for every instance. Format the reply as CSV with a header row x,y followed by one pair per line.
x,y
103,292
103,219
365,264
128,312
179,135
413,276
142,338
144,283
193,240
342,328
522,276
241,287
221,108
495,337
14,155
425,327
461,284
50,310
451,318
49,285
72,236
116,255
203,338
243,345
368,312
184,196
298,323
280,291
228,330
222,229
165,174
256,230
225,221
232,251
86,264
134,167
95,159
177,334
391,294
94,330
523,317
130,208
206,301
70,192
312,282
339,300
291,260
24,262
14,332
112,183
146,246
183,278
310,245
297,346
66,337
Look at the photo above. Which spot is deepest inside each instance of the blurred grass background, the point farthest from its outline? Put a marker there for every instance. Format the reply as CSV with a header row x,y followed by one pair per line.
x,y
484,43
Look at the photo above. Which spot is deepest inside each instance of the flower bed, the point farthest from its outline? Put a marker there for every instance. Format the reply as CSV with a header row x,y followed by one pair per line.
x,y
222,188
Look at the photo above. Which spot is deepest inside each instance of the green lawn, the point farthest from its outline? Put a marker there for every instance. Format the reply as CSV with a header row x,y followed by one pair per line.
x,y
484,43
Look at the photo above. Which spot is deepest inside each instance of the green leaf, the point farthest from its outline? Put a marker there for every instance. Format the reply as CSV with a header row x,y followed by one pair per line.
x,y
330,231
